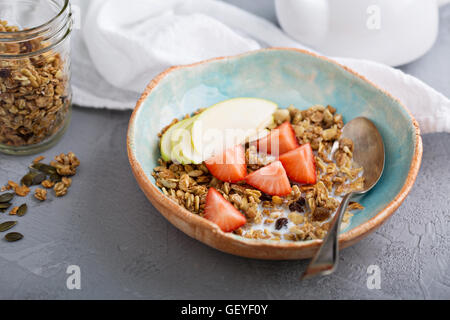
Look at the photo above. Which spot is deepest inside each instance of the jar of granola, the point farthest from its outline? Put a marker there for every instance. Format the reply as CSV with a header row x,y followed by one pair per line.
x,y
35,93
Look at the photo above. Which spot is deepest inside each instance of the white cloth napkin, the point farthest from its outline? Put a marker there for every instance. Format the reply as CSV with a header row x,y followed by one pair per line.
x,y
122,45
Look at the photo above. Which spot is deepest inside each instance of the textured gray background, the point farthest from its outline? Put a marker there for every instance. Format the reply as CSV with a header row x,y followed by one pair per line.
x,y
127,250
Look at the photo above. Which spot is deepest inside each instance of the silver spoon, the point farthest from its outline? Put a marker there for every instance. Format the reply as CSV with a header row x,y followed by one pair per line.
x,y
368,152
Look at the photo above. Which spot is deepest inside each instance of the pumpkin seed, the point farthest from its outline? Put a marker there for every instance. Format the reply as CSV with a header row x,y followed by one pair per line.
x,y
22,210
33,178
27,179
39,178
7,225
13,236
55,177
6,197
45,168
5,205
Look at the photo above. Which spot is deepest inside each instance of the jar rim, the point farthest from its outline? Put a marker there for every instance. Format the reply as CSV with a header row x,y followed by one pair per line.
x,y
40,27
63,27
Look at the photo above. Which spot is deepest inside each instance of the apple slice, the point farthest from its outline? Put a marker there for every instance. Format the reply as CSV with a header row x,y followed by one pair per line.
x,y
229,123
182,150
188,150
166,143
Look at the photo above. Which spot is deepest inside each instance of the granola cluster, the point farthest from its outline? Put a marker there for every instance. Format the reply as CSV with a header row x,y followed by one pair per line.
x,y
34,92
56,176
66,164
40,194
302,215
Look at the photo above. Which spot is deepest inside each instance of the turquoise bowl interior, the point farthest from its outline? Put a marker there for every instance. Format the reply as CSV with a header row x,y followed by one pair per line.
x,y
285,77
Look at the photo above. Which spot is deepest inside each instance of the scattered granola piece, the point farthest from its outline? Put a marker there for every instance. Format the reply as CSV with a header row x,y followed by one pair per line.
x,y
74,161
13,211
48,184
40,194
66,181
66,164
62,169
12,185
22,191
38,159
60,189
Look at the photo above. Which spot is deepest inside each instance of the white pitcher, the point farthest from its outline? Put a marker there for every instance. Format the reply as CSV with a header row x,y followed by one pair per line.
x,y
394,32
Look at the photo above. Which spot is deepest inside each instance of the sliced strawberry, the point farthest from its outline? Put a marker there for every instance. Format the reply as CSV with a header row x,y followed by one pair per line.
x,y
222,212
229,166
280,140
271,179
300,164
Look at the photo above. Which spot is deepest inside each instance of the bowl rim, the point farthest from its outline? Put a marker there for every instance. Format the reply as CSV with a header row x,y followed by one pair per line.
x,y
345,239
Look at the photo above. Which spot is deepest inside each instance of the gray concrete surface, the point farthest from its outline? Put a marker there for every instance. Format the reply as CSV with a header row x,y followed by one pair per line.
x,y
126,250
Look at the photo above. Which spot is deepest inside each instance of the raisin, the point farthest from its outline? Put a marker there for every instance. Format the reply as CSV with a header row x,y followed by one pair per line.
x,y
280,223
265,197
298,205
5,73
321,214
26,47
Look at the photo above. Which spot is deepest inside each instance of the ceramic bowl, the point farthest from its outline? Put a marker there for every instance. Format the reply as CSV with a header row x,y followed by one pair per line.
x,y
286,76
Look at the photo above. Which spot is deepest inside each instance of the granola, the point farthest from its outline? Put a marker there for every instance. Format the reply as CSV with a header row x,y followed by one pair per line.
x,y
40,174
54,176
34,91
305,213
66,164
40,194
60,189
48,184
21,191
13,211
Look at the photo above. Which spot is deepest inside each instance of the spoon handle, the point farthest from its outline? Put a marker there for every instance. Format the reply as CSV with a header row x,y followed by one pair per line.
x,y
326,258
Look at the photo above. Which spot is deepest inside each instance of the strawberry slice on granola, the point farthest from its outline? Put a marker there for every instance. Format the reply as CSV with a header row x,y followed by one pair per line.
x,y
271,179
222,212
229,166
280,140
300,164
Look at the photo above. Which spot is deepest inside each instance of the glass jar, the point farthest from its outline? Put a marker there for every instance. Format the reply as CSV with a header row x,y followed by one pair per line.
x,y
35,93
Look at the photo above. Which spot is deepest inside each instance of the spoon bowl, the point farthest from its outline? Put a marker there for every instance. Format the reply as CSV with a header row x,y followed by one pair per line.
x,y
368,153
